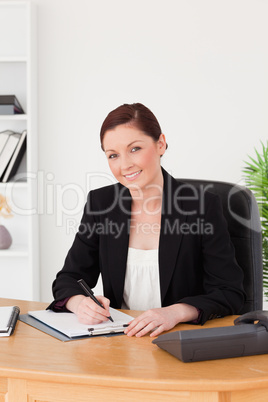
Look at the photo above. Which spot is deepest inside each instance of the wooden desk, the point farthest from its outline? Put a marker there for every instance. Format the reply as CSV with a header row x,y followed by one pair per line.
x,y
37,367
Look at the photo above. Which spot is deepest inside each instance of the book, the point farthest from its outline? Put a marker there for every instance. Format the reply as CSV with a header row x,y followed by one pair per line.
x,y
68,324
16,158
8,318
8,151
4,136
9,104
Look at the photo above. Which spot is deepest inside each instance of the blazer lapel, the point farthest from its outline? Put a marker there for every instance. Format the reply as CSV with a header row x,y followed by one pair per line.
x,y
170,234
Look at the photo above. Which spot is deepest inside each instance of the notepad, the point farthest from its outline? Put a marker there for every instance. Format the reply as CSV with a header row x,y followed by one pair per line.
x,y
68,324
8,319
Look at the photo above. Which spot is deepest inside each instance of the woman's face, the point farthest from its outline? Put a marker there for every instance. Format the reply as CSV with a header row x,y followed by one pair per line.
x,y
133,156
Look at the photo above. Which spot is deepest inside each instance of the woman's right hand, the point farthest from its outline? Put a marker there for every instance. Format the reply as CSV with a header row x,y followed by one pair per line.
x,y
87,311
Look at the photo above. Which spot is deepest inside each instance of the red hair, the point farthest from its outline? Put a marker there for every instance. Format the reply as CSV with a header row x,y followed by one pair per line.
x,y
136,115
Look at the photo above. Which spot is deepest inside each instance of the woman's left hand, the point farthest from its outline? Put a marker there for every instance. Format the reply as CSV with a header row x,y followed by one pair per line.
x,y
162,319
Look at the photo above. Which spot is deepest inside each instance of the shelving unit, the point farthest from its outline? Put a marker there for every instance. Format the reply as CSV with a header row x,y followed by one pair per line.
x,y
19,265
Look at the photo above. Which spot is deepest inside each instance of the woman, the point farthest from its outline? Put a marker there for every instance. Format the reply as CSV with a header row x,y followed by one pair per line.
x,y
160,245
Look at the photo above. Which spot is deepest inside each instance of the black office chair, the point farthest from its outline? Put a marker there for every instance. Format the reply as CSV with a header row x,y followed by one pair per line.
x,y
242,215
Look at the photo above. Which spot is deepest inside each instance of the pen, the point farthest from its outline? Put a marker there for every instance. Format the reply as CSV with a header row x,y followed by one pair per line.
x,y
90,293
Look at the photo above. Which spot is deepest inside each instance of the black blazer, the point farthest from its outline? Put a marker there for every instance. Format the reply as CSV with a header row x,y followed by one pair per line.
x,y
196,257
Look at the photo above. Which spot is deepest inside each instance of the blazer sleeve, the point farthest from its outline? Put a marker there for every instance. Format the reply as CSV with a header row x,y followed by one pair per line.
x,y
222,276
82,260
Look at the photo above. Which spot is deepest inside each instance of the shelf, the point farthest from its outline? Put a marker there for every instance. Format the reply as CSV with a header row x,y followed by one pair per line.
x,y
13,59
13,117
18,73
11,184
17,250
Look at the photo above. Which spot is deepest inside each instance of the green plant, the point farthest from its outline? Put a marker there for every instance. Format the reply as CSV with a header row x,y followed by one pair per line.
x,y
256,176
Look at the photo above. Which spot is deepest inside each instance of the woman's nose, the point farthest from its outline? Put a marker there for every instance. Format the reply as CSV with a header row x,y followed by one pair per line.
x,y
126,162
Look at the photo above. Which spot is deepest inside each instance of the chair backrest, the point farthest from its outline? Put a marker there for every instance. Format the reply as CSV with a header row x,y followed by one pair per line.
x,y
242,215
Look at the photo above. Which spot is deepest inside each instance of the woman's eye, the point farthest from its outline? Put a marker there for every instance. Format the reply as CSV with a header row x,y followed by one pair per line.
x,y
135,149
112,156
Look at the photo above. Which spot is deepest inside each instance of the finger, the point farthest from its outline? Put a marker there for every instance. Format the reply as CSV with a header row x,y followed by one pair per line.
x,y
141,318
87,316
105,302
157,331
131,325
96,312
142,326
103,310
150,327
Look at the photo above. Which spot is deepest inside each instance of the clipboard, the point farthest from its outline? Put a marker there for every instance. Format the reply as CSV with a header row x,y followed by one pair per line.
x,y
66,327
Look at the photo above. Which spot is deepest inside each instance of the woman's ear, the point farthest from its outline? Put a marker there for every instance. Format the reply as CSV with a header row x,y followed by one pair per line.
x,y
162,145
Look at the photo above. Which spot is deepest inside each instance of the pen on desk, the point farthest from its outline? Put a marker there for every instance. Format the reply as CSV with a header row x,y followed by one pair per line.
x,y
89,292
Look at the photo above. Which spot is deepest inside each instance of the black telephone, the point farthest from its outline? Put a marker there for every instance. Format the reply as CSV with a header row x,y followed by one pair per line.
x,y
248,336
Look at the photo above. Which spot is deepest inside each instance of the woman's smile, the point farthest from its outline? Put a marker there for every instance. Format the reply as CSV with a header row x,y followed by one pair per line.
x,y
132,176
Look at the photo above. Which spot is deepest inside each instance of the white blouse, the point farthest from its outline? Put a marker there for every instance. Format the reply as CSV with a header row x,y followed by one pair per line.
x,y
142,286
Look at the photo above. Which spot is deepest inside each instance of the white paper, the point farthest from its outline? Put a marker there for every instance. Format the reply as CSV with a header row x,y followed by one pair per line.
x,y
68,323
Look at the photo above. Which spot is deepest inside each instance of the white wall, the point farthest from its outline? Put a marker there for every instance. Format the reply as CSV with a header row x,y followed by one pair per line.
x,y
200,65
